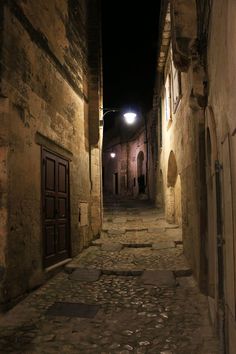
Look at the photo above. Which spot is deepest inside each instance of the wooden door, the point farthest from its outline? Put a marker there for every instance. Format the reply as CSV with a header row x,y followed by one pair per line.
x,y
56,216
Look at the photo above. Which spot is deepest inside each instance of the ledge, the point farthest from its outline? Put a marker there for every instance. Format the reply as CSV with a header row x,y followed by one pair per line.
x,y
60,264
52,145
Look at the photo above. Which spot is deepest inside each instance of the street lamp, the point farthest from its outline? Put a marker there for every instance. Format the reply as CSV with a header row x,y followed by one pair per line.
x,y
129,117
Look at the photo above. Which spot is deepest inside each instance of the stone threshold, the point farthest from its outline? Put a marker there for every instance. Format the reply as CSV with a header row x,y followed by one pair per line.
x,y
129,272
128,245
152,245
178,242
137,245
57,265
179,273
123,272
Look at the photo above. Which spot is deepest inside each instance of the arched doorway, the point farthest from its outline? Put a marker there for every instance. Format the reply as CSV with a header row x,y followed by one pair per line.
x,y
211,240
140,172
160,201
173,193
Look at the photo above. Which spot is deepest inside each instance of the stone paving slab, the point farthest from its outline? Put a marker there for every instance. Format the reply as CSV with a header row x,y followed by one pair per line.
x,y
70,309
184,272
111,247
85,275
186,282
136,228
119,220
132,258
163,245
158,278
138,236
156,230
115,231
171,226
137,245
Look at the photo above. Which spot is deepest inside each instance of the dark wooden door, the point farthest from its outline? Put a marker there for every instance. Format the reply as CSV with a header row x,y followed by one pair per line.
x,y
116,183
56,217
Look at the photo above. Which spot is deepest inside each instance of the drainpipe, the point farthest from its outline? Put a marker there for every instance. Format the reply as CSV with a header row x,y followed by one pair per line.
x,y
220,256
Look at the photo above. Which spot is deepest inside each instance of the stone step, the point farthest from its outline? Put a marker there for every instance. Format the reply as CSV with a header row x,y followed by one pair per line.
x,y
149,277
187,272
162,278
117,246
137,245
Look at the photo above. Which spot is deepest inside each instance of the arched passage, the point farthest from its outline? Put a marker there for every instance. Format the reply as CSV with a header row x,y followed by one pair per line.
x,y
211,157
173,197
172,170
140,172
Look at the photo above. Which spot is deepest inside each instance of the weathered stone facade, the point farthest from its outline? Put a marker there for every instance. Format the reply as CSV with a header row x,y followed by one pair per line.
x,y
194,106
133,169
50,98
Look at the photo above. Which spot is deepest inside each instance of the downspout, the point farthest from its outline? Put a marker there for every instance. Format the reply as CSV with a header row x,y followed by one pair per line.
x,y
220,255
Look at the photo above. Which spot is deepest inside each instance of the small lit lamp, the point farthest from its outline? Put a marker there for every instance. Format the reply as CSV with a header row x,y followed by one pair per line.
x,y
130,117
113,155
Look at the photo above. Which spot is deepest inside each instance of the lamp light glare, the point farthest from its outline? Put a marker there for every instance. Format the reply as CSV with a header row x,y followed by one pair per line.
x,y
130,117
113,155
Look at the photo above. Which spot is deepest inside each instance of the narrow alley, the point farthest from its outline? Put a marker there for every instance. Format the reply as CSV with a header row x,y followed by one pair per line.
x,y
117,177
131,291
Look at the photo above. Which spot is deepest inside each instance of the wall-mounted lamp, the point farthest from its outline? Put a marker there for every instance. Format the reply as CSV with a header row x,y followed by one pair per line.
x,y
129,117
113,155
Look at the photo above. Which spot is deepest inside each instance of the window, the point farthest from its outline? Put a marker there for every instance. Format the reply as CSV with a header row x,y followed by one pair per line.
x,y
160,120
168,90
176,87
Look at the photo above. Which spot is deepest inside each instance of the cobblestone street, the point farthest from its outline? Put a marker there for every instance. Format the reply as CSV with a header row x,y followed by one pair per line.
x,y
143,296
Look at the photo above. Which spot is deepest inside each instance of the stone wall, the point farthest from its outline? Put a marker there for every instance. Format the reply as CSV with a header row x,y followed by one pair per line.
x,y
45,89
201,135
125,164
221,125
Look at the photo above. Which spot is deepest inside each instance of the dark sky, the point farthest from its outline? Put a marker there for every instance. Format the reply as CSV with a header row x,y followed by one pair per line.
x,y
130,31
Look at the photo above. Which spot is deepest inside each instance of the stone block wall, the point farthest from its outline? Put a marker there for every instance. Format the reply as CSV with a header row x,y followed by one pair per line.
x,y
45,80
221,127
201,135
125,164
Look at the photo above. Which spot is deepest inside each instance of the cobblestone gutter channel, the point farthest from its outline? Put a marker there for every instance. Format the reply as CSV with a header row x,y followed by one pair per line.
x,y
130,292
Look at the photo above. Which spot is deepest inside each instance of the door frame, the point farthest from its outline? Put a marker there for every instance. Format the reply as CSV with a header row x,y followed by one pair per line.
x,y
45,148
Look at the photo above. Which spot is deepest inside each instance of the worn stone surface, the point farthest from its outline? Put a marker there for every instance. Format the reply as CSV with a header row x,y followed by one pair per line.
x,y
133,317
87,275
50,87
159,278
111,247
163,245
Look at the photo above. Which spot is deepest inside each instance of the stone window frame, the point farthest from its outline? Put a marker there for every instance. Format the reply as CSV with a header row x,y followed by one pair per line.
x,y
176,87
168,93
171,73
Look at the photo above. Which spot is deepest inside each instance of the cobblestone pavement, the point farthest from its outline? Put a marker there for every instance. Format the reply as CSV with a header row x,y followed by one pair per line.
x,y
134,315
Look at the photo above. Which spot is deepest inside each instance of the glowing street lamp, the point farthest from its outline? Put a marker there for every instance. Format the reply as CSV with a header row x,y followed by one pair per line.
x,y
113,155
130,117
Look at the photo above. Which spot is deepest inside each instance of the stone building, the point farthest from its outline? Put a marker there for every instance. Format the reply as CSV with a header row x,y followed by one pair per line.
x,y
129,162
50,139
196,175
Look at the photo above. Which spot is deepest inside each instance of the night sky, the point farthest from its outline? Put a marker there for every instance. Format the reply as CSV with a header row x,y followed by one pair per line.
x,y
129,35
